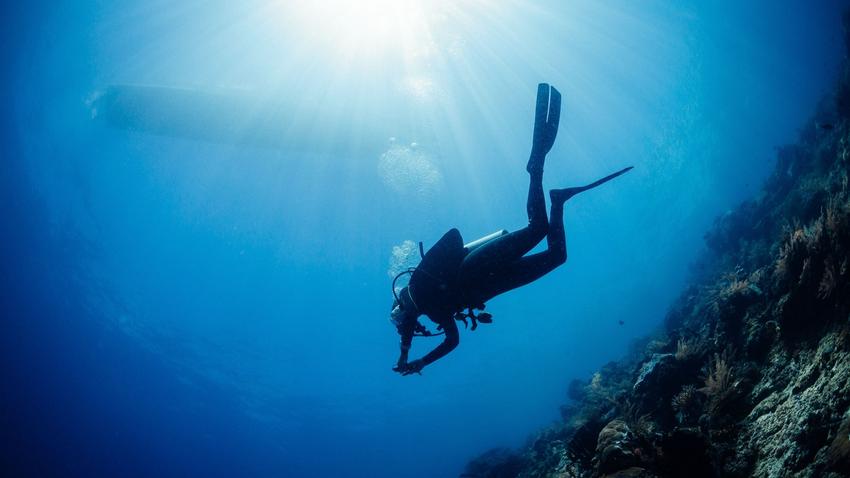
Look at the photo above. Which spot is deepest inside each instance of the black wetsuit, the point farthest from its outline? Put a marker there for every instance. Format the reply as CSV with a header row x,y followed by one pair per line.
x,y
494,268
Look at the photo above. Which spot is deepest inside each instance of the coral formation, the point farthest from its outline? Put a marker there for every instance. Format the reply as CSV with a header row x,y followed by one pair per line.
x,y
750,373
719,384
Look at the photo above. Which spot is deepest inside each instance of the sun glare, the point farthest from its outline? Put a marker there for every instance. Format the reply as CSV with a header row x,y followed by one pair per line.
x,y
370,28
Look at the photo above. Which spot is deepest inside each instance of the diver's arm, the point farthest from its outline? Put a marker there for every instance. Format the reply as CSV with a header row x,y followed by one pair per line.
x,y
449,343
406,339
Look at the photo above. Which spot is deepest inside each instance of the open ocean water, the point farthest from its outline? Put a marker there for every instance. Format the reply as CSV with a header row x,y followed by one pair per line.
x,y
204,204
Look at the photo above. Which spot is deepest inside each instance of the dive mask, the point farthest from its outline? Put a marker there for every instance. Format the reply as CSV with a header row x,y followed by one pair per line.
x,y
397,315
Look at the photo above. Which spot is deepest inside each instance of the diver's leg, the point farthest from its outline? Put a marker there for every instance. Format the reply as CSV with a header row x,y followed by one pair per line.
x,y
535,205
531,268
547,116
528,269
512,246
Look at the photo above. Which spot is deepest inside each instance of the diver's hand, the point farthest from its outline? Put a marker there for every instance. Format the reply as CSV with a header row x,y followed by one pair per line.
x,y
546,119
410,368
414,367
401,365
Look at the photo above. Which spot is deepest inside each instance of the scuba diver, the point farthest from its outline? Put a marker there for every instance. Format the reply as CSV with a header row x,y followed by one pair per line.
x,y
452,276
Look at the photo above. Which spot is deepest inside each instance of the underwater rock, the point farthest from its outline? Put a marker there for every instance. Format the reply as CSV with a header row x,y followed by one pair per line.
x,y
653,371
615,449
684,454
658,380
581,447
794,427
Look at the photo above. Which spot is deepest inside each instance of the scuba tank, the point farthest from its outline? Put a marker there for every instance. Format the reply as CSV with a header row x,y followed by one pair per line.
x,y
484,240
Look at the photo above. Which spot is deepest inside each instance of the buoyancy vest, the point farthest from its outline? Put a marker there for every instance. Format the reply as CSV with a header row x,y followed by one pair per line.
x,y
433,284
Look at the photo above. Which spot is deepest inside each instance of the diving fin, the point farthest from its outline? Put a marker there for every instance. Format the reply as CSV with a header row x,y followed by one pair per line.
x,y
547,116
566,193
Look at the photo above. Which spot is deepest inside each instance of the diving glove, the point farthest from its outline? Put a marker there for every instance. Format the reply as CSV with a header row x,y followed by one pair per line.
x,y
410,368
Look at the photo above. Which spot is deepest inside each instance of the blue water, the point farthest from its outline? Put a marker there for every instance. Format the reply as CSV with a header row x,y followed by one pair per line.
x,y
184,306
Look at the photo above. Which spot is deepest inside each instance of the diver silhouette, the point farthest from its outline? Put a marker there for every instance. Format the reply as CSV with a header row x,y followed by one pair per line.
x,y
452,276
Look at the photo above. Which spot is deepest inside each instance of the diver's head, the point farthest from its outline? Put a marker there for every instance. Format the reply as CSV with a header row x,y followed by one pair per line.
x,y
403,310
398,316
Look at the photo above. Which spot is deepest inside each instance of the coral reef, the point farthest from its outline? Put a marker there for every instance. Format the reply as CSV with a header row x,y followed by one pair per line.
x,y
750,373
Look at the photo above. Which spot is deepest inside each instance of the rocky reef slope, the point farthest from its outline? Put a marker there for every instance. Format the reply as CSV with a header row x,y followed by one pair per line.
x,y
750,374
